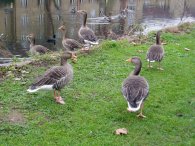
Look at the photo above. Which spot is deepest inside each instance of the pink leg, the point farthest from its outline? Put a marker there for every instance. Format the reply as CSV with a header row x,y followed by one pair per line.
x,y
59,99
54,94
140,115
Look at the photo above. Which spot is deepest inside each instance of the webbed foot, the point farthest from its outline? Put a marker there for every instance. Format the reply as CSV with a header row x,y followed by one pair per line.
x,y
140,115
59,100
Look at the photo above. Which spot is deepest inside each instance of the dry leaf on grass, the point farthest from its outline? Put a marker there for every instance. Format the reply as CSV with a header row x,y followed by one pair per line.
x,y
186,49
17,79
140,51
133,43
121,131
163,43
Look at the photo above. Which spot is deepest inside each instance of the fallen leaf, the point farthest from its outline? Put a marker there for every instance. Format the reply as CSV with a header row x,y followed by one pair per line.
x,y
140,51
23,83
121,131
23,71
186,49
17,79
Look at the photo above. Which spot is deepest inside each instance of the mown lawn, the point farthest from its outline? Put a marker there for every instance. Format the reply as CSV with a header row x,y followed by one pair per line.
x,y
95,107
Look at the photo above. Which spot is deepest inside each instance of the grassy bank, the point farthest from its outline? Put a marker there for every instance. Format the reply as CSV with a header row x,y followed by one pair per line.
x,y
95,107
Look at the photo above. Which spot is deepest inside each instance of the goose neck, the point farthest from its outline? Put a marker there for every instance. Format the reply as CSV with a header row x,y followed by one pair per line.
x,y
158,38
64,35
137,69
84,19
32,41
63,61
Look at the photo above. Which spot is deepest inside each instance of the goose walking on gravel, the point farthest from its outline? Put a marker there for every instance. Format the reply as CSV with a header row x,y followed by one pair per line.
x,y
135,88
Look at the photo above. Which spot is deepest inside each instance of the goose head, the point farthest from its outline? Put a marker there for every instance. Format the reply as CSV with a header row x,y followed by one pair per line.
x,y
68,55
135,60
62,28
31,35
31,38
81,12
138,64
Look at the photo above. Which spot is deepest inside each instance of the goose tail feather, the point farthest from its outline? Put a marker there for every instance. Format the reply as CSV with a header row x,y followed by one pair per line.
x,y
150,60
33,89
90,42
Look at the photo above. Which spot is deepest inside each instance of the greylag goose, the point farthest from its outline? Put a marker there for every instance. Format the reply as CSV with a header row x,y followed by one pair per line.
x,y
156,52
110,34
55,78
35,49
69,44
135,88
86,34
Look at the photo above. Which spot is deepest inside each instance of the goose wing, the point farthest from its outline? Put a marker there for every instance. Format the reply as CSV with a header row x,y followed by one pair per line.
x,y
71,44
51,76
135,89
88,34
156,52
40,49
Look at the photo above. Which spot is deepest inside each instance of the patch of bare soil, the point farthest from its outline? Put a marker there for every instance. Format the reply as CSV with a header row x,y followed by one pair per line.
x,y
16,117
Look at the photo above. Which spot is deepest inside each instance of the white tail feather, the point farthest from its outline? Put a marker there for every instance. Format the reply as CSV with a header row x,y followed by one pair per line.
x,y
134,109
92,43
150,60
44,87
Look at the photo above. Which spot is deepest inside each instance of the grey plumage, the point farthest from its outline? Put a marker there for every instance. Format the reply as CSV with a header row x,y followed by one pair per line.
x,y
36,49
112,35
69,44
135,88
156,52
85,33
57,76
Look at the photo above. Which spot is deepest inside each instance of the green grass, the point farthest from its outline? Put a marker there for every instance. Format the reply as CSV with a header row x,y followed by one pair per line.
x,y
95,107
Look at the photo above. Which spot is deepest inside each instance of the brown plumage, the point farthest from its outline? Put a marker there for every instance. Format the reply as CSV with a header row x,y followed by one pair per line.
x,y
35,49
156,52
69,44
112,35
86,34
135,88
55,78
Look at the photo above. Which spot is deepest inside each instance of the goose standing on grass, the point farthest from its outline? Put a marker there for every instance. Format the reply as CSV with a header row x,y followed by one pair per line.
x,y
69,44
110,34
86,34
135,88
35,49
156,52
55,78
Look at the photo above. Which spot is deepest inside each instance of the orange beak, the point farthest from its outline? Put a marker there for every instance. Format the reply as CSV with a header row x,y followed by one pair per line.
x,y
79,11
128,60
61,27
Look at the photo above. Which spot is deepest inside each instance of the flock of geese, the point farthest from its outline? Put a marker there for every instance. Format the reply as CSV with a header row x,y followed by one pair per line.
x,y
135,88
